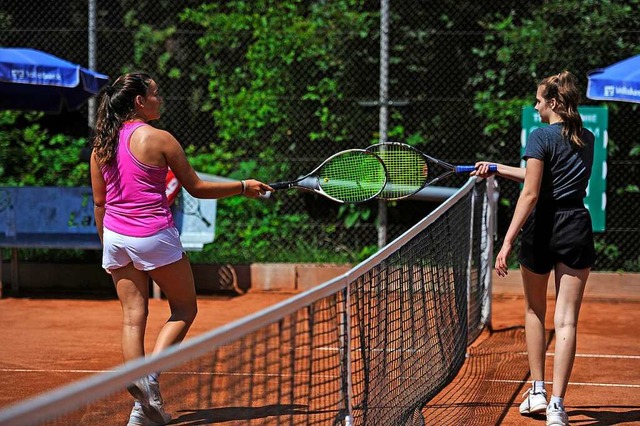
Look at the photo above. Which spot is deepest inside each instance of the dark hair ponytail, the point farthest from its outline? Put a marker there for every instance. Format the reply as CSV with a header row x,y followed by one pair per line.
x,y
564,89
116,106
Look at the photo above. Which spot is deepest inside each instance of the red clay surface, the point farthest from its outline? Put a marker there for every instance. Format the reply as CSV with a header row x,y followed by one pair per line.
x,y
604,385
47,343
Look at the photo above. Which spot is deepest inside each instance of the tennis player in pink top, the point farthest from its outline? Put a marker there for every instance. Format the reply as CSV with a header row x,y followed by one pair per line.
x,y
129,165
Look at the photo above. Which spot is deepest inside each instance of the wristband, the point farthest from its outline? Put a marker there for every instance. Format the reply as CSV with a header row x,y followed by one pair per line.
x,y
244,187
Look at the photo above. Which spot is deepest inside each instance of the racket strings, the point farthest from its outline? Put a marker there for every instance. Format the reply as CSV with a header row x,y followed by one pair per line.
x,y
407,170
353,177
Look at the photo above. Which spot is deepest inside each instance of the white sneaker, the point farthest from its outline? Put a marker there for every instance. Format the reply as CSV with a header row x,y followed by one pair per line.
x,y
137,418
534,402
148,393
556,416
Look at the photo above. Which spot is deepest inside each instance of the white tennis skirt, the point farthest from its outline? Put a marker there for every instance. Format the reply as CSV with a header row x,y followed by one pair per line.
x,y
146,253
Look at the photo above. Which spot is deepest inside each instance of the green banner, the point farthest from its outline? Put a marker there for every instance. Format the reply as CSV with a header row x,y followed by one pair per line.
x,y
595,119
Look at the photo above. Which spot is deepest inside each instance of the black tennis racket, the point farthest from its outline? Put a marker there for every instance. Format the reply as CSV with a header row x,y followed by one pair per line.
x,y
409,170
351,176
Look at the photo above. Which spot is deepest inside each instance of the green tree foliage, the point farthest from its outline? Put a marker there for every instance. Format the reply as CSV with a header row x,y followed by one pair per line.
x,y
265,70
262,61
29,155
527,45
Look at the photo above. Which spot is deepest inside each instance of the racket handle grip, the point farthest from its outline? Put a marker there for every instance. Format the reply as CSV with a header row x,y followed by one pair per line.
x,y
281,185
468,169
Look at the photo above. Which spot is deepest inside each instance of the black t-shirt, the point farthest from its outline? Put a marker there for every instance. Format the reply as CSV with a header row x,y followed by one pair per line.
x,y
567,168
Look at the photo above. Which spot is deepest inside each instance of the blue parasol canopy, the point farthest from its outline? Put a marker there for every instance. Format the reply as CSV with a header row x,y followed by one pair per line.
x,y
35,80
617,82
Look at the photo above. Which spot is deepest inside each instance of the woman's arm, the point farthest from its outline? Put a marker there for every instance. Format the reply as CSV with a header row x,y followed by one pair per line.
x,y
514,173
526,203
99,188
177,161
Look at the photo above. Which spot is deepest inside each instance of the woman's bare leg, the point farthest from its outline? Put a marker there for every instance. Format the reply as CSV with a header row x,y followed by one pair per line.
x,y
176,281
132,287
570,285
535,296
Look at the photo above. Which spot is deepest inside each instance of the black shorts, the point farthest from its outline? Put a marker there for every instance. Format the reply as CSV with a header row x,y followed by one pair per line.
x,y
559,232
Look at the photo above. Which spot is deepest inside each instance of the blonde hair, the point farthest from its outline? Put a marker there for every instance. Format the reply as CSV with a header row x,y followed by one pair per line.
x,y
563,88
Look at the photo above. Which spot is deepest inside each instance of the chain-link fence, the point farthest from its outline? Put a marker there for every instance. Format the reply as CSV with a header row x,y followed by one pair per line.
x,y
271,88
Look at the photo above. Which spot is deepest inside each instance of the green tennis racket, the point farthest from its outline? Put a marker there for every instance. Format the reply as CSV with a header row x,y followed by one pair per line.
x,y
409,170
351,176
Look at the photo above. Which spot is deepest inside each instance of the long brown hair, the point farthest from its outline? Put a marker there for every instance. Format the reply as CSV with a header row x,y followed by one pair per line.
x,y
116,106
564,89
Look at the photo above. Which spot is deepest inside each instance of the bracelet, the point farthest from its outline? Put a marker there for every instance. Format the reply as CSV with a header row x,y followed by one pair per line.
x,y
244,187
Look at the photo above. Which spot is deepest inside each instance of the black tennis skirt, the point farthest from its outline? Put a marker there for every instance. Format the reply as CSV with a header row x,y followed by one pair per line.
x,y
557,231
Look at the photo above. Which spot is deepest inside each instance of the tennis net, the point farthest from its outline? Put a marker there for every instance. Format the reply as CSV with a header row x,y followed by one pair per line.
x,y
370,347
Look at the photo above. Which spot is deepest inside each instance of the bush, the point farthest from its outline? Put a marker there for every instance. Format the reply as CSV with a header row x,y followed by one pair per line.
x,y
30,156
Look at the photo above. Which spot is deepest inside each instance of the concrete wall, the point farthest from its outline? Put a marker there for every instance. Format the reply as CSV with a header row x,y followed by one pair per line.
x,y
601,285
87,279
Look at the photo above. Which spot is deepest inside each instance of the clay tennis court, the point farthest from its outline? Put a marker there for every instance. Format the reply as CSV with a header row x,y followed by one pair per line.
x,y
47,343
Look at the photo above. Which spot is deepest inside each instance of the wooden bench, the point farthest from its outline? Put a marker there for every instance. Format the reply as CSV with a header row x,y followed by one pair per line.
x,y
62,218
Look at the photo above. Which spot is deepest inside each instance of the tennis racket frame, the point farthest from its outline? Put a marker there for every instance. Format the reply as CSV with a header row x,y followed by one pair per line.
x,y
450,168
311,181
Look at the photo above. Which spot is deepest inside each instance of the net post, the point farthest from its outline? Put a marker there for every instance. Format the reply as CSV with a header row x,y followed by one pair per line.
x,y
470,254
384,108
346,324
492,218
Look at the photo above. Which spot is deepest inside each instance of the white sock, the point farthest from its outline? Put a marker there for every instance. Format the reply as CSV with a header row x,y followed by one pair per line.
x,y
538,386
557,400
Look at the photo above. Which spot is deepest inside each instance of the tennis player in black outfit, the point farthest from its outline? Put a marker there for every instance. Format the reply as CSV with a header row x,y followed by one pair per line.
x,y
555,233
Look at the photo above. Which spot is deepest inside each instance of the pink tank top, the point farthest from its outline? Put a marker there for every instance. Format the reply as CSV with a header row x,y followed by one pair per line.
x,y
136,203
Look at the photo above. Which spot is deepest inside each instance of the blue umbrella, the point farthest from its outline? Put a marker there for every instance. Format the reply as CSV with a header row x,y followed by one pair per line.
x,y
34,80
617,82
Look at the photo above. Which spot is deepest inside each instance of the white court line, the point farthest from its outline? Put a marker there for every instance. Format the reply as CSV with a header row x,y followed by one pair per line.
x,y
604,385
42,370
205,373
593,355
392,349
168,373
330,349
603,356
